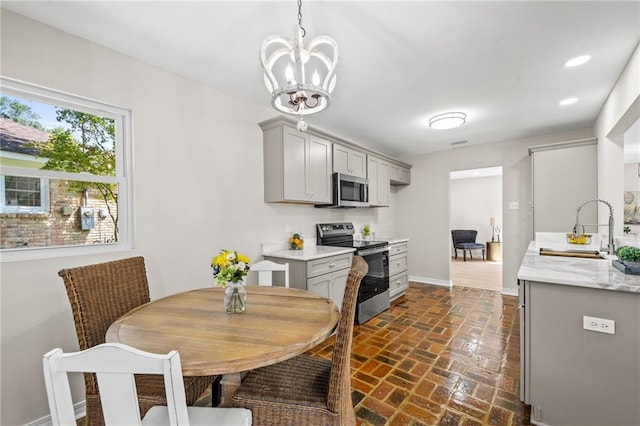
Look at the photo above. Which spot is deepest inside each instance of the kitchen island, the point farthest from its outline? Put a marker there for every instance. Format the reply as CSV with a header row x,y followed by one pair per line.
x,y
571,375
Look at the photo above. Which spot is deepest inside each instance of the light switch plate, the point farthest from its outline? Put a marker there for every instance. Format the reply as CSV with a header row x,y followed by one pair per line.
x,y
513,205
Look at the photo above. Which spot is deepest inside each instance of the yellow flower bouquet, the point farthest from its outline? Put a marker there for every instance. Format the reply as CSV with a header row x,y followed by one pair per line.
x,y
229,266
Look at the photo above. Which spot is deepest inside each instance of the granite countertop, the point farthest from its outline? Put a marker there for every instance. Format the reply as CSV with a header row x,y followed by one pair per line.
x,y
310,252
588,273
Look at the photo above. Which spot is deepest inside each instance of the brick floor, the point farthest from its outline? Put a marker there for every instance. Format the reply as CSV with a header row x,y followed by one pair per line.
x,y
438,357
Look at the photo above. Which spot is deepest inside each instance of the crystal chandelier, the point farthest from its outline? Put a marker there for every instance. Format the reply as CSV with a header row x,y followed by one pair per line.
x,y
300,79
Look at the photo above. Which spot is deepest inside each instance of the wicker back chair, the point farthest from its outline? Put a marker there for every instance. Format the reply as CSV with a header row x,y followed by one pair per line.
x,y
307,390
99,294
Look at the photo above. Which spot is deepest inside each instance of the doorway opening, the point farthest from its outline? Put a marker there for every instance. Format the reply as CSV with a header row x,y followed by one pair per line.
x,y
475,203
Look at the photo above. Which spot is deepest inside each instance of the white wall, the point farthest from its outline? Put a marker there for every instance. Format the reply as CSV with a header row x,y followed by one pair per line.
x,y
195,149
473,203
423,207
619,113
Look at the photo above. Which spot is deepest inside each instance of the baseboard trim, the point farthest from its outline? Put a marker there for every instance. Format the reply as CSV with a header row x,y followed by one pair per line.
x,y
509,291
434,281
80,410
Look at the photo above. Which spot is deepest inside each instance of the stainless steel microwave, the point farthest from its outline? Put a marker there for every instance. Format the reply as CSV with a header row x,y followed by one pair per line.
x,y
348,192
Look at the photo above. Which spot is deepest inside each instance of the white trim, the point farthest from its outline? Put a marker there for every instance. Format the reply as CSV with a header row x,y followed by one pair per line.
x,y
79,408
53,174
44,198
434,281
509,291
22,157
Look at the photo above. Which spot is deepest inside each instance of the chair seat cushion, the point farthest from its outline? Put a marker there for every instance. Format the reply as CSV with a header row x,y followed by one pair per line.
x,y
302,380
469,246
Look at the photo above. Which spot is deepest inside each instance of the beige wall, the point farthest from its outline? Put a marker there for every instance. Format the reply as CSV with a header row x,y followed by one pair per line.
x,y
194,149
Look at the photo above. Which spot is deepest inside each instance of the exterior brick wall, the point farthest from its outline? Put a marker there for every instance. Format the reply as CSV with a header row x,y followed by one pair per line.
x,y
55,228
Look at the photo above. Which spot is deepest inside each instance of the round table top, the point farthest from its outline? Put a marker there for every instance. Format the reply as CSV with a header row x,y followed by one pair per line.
x,y
279,323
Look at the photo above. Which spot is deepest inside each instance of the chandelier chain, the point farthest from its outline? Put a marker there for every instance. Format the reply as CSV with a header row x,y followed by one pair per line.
x,y
304,32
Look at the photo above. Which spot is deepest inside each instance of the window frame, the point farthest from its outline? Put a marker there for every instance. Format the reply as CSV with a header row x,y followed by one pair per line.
x,y
123,178
44,198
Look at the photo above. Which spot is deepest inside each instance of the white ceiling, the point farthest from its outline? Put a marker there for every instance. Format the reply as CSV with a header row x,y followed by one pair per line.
x,y
400,62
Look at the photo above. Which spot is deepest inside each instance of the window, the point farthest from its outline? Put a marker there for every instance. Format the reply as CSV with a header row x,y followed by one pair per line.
x,y
24,194
65,177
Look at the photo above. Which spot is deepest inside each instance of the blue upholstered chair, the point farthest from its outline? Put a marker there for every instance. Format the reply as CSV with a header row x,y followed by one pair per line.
x,y
465,240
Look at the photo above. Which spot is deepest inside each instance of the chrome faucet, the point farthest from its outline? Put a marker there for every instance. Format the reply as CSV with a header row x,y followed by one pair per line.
x,y
576,228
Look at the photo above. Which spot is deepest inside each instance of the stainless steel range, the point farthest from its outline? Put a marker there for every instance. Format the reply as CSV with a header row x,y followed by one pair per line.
x,y
373,296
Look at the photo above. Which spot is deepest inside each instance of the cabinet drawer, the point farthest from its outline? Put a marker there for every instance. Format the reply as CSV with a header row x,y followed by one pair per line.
x,y
397,248
397,264
398,284
328,264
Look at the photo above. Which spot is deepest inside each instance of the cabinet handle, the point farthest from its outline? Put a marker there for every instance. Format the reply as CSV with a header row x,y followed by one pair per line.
x,y
331,264
398,263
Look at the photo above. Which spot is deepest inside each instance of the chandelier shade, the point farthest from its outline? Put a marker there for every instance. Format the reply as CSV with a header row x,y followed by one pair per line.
x,y
300,79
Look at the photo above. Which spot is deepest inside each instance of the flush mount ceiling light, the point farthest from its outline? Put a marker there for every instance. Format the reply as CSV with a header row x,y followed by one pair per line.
x,y
447,120
300,79
578,60
568,101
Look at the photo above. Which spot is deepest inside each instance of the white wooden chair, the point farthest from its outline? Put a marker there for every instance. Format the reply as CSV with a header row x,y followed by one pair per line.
x,y
115,365
265,269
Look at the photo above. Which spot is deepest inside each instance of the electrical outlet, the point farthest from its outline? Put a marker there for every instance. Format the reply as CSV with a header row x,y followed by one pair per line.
x,y
599,324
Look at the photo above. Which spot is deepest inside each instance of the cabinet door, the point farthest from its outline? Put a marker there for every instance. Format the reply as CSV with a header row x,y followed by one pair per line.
x,y
562,179
379,186
341,159
318,176
320,285
294,151
349,161
337,285
358,164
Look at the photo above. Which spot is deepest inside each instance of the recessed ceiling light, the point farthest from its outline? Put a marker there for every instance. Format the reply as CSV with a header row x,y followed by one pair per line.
x,y
568,101
447,120
578,60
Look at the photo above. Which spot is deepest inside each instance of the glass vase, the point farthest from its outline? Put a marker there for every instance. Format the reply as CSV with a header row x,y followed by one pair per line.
x,y
235,298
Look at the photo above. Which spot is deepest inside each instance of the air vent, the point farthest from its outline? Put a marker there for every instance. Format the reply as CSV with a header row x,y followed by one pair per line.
x,y
454,143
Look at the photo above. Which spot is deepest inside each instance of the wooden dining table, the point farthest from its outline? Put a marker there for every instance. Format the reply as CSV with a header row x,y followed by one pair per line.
x,y
279,323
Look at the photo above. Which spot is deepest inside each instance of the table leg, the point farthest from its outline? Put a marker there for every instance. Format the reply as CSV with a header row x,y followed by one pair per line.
x,y
228,385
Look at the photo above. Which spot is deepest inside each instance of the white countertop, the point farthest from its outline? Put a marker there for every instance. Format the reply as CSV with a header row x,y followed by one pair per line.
x,y
310,252
589,273
393,240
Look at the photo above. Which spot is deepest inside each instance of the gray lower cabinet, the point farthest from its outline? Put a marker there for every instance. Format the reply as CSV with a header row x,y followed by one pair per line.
x,y
326,276
398,269
573,376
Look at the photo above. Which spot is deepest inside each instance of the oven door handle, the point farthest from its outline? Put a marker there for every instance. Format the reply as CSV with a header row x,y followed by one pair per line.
x,y
367,252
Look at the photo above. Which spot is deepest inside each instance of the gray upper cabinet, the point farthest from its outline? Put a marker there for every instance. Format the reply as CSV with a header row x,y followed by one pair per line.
x,y
297,166
379,183
399,175
349,161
